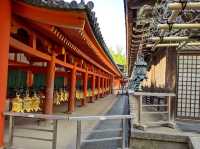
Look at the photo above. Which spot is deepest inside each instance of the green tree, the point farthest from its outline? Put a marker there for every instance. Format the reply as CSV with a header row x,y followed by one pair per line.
x,y
118,56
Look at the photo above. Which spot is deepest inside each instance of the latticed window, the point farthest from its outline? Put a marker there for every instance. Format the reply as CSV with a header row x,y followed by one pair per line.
x,y
188,86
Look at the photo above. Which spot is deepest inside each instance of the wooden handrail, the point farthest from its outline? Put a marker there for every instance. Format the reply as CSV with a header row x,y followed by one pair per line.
x,y
168,105
153,94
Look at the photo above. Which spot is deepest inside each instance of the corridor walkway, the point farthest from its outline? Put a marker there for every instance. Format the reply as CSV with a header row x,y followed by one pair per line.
x,y
119,108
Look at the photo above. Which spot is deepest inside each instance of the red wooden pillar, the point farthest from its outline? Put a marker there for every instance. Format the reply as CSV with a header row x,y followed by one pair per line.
x,y
71,103
99,86
85,87
112,84
5,19
48,107
110,91
102,87
106,86
93,87
29,79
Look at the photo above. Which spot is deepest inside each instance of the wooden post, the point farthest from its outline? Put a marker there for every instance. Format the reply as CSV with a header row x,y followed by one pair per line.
x,y
29,79
169,109
5,19
71,103
112,84
99,86
93,87
105,84
110,90
102,87
48,107
140,110
85,87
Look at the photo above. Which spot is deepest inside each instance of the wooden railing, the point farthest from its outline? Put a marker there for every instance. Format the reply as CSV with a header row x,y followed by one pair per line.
x,y
166,108
78,119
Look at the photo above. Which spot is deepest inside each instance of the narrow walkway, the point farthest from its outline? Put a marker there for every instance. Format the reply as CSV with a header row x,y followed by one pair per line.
x,y
119,108
66,129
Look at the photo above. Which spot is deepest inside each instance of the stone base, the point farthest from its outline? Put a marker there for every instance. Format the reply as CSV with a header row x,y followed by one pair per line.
x,y
140,126
164,124
170,125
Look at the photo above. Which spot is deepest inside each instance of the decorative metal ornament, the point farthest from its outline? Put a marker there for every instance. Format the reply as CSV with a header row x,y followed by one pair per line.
x,y
17,104
36,103
27,103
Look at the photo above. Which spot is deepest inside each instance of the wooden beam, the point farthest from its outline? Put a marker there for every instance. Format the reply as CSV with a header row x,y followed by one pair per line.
x,y
180,26
74,48
14,43
172,44
170,38
189,6
72,19
40,69
64,64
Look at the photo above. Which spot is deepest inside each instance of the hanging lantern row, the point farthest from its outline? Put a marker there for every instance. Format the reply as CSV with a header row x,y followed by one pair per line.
x,y
27,103
34,103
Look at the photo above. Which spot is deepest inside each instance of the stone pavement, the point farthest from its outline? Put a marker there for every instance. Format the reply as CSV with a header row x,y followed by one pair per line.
x,y
187,131
66,129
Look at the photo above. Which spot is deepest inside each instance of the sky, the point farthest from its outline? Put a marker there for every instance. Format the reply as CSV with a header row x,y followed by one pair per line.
x,y
110,16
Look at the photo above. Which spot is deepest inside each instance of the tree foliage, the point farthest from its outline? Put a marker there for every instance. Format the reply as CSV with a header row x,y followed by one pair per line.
x,y
118,56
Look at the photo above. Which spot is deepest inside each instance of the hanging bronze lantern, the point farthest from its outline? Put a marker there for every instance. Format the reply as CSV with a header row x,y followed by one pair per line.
x,y
65,95
27,103
61,93
17,104
56,98
36,103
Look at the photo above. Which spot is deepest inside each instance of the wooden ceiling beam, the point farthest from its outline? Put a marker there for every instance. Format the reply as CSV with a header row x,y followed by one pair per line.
x,y
65,42
70,19
14,43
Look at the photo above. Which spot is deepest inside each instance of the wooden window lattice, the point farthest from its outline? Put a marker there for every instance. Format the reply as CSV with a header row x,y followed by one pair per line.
x,y
188,86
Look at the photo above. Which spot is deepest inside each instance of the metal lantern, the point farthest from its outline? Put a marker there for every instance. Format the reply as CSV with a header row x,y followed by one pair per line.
x,y
141,67
140,70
